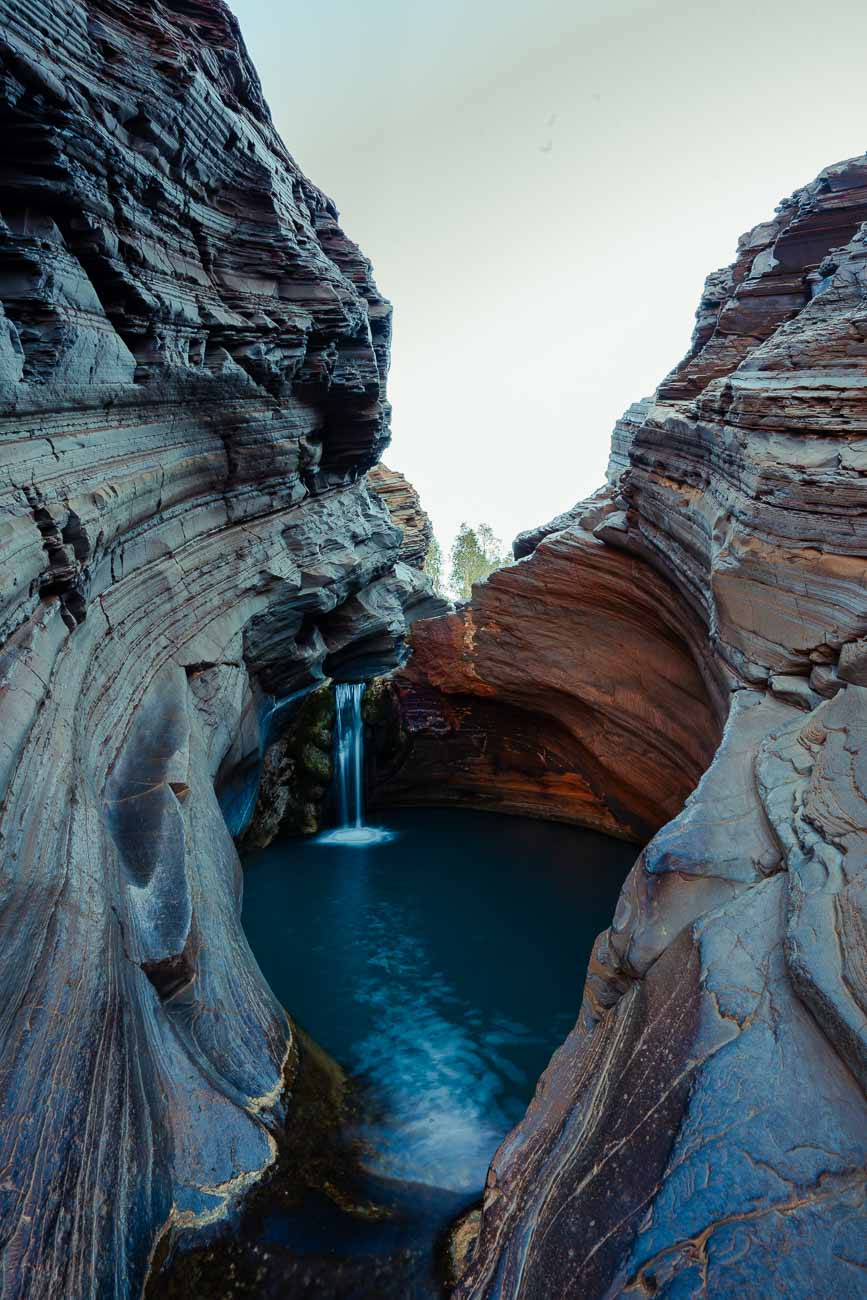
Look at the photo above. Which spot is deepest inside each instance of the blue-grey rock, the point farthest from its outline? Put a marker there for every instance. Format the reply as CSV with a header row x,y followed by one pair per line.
x,y
192,387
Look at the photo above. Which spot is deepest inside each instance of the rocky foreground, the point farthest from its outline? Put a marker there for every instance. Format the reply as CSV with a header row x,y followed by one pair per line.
x,y
192,385
703,1131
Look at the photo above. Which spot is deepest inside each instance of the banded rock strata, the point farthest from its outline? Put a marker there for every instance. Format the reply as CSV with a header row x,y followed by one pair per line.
x,y
703,1130
193,360
585,707
406,511
294,778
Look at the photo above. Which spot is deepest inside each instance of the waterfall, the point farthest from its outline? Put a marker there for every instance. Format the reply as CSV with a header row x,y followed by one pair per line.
x,y
349,752
349,771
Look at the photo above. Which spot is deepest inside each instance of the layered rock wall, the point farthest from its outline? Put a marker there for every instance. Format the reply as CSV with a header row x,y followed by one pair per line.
x,y
566,690
193,361
192,390
406,511
703,1130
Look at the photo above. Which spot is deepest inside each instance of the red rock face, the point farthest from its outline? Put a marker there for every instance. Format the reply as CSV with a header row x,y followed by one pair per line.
x,y
512,703
702,1132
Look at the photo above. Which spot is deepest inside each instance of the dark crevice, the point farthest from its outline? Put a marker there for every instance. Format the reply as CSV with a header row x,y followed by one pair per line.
x,y
66,550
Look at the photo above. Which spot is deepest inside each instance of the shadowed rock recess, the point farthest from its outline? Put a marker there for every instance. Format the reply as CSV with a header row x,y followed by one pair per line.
x,y
702,1132
193,361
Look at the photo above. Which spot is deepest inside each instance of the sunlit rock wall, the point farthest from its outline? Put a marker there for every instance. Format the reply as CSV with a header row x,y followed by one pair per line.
x,y
703,1131
406,511
193,360
566,690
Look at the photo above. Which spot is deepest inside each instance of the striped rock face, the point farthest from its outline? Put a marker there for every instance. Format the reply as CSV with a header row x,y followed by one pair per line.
x,y
683,659
406,511
192,392
192,386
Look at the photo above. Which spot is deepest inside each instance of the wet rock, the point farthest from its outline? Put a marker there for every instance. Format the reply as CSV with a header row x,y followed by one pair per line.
x,y
296,774
460,1247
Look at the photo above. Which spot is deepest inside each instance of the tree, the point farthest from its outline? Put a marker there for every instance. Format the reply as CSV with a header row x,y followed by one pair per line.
x,y
433,566
476,552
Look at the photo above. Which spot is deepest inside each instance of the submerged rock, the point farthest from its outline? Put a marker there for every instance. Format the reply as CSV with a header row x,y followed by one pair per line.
x,y
684,654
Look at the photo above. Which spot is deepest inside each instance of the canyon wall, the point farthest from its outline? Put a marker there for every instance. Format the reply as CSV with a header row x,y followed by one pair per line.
x,y
192,393
406,512
192,387
567,689
293,782
703,1130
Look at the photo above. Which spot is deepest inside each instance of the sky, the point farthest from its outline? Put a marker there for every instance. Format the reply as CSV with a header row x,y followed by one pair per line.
x,y
542,186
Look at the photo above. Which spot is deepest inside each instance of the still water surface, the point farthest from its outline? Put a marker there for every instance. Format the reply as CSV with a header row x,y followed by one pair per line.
x,y
441,967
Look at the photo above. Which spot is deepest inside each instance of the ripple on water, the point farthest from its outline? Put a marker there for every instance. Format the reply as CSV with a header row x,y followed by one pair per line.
x,y
442,968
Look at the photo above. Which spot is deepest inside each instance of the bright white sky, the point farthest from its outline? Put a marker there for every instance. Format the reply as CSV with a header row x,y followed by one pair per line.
x,y
542,186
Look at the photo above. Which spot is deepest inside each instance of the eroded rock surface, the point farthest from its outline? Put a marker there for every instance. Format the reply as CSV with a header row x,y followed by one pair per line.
x,y
566,689
193,360
703,1131
406,511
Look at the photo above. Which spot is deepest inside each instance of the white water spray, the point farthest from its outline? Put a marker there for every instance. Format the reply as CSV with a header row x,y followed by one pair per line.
x,y
349,771
349,731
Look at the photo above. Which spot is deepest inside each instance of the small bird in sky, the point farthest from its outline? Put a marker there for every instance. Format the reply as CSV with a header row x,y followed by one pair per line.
x,y
550,122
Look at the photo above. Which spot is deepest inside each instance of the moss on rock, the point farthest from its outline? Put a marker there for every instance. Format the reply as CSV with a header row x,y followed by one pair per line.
x,y
296,774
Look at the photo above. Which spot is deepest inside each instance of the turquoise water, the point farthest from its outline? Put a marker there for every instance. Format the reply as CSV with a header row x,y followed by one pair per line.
x,y
441,966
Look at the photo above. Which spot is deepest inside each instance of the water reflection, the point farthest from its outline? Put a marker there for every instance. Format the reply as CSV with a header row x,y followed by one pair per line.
x,y
435,1063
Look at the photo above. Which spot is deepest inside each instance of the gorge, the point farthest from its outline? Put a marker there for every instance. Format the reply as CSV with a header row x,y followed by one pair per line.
x,y
198,539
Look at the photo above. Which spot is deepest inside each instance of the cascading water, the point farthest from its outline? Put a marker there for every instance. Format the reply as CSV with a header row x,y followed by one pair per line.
x,y
349,771
349,753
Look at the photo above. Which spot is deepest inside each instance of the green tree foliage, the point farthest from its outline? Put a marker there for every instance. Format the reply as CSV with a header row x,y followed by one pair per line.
x,y
433,567
476,552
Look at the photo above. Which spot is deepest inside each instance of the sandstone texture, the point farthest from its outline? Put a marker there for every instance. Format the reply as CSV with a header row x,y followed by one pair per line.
x,y
406,511
192,388
566,690
701,622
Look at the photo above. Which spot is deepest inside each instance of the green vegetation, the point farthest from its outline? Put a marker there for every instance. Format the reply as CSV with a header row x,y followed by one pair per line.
x,y
433,566
476,553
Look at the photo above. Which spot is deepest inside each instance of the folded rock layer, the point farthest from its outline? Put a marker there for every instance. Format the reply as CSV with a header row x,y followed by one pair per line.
x,y
192,386
686,653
